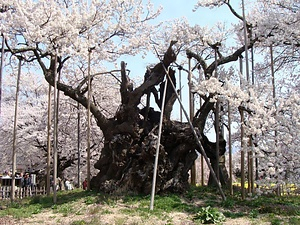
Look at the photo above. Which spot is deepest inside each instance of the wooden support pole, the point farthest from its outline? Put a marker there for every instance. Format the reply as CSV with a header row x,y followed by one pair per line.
x,y
1,69
55,133
217,120
242,137
14,152
202,169
48,169
57,114
202,151
89,124
274,99
245,41
230,149
180,93
242,156
191,104
201,156
78,145
251,170
251,138
158,144
202,160
249,175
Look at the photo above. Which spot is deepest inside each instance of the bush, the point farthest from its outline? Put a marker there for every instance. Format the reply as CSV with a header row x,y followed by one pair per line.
x,y
209,215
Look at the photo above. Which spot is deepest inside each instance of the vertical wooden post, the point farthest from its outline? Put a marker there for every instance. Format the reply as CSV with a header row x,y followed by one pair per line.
x,y
251,138
242,155
202,169
55,132
230,149
191,104
57,114
242,113
89,124
245,41
217,120
78,145
1,69
202,160
242,137
272,72
274,96
158,144
249,175
201,156
48,184
180,93
202,151
14,155
251,162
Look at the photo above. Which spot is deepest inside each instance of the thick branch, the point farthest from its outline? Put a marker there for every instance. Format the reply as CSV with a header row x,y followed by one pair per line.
x,y
202,114
233,11
156,76
126,85
202,62
223,60
102,121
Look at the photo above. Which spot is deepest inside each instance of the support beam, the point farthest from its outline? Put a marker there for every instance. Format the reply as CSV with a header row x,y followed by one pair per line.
x,y
158,144
48,183
89,124
230,149
191,104
78,145
1,69
55,133
202,151
14,155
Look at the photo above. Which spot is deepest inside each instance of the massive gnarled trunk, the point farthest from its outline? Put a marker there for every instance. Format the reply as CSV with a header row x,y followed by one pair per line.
x,y
127,158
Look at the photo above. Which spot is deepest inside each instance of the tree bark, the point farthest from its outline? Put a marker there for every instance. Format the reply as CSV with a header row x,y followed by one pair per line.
x,y
127,158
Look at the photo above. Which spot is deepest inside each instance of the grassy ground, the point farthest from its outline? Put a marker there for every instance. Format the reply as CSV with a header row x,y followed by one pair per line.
x,y
197,206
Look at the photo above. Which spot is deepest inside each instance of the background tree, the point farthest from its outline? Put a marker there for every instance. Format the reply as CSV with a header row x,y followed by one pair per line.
x,y
32,138
272,23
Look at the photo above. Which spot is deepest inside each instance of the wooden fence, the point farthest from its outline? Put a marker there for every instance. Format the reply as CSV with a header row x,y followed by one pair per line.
x,y
5,192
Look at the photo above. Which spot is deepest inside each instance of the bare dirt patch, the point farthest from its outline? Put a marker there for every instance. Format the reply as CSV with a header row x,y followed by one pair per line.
x,y
98,214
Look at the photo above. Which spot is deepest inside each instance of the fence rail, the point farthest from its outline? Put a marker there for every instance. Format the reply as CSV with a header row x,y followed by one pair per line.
x,y
5,192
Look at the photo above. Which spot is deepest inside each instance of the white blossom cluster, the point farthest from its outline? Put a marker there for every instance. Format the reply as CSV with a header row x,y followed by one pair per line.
x,y
73,27
210,3
275,129
32,122
273,123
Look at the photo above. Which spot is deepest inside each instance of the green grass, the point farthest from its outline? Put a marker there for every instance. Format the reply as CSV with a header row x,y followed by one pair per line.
x,y
79,222
273,209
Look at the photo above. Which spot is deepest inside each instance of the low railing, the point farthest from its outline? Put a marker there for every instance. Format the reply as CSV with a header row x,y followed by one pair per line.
x,y
5,192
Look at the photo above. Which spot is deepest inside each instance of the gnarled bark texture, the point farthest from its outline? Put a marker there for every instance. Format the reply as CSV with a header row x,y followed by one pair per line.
x,y
127,158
